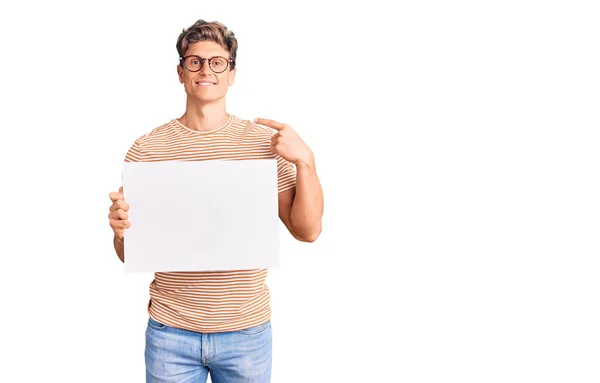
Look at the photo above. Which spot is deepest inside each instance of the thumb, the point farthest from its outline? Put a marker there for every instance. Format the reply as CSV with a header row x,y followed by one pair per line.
x,y
121,190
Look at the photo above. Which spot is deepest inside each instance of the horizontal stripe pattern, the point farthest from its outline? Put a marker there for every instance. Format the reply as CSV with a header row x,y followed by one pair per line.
x,y
212,301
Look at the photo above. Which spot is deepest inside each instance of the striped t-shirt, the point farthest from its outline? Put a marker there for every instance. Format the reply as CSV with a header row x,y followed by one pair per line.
x,y
212,301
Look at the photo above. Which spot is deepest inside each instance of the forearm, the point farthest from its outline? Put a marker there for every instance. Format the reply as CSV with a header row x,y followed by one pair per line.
x,y
307,208
120,248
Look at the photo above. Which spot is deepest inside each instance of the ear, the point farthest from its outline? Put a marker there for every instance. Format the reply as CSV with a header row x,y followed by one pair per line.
x,y
232,76
180,73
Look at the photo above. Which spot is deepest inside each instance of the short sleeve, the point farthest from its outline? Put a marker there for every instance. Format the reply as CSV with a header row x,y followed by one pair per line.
x,y
134,154
286,174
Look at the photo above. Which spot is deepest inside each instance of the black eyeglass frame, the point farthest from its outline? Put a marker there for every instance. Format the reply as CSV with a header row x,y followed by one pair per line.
x,y
230,62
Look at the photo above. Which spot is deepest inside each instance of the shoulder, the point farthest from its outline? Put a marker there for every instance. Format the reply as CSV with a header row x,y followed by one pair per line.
x,y
251,129
158,133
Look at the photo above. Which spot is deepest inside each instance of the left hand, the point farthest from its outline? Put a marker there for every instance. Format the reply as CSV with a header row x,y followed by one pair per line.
x,y
287,143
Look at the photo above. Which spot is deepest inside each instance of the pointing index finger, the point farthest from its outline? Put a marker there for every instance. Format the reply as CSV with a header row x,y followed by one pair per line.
x,y
270,123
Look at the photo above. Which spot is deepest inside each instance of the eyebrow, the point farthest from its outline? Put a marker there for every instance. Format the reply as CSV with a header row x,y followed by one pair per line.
x,y
219,55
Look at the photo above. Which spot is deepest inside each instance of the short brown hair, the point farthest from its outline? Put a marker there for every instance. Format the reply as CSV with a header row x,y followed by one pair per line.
x,y
211,31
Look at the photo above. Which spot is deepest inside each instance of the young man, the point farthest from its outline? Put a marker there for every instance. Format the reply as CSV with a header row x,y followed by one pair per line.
x,y
218,322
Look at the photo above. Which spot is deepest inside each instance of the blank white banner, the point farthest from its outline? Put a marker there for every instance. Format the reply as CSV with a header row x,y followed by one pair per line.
x,y
201,215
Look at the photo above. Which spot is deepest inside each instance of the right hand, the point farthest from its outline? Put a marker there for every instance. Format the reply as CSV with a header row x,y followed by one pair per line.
x,y
118,213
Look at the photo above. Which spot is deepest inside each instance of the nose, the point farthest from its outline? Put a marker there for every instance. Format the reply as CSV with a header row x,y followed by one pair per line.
x,y
205,68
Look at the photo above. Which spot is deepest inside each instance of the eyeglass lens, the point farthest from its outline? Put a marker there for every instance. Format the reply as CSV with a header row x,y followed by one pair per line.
x,y
216,64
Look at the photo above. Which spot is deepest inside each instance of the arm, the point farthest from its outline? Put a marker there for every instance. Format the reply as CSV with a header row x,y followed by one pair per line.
x,y
301,207
120,248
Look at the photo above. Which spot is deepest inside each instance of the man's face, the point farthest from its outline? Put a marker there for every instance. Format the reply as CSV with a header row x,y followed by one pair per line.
x,y
206,85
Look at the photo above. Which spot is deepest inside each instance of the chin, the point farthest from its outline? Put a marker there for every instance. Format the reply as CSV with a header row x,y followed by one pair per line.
x,y
206,98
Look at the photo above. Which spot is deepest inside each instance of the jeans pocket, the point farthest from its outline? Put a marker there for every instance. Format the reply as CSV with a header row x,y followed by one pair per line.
x,y
155,324
256,329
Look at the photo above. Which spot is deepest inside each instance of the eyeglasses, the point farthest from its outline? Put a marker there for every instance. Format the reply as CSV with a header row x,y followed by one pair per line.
x,y
194,63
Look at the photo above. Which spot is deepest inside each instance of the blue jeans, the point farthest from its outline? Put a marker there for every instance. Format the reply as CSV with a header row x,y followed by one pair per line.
x,y
176,355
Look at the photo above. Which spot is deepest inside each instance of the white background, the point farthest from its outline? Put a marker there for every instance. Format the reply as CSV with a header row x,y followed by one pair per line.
x,y
456,142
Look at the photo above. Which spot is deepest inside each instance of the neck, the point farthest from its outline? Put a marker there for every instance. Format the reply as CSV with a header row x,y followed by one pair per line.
x,y
204,117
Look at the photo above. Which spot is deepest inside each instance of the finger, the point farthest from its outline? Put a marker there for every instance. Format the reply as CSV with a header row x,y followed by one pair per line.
x,y
270,123
119,204
114,196
118,224
121,190
275,139
118,214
